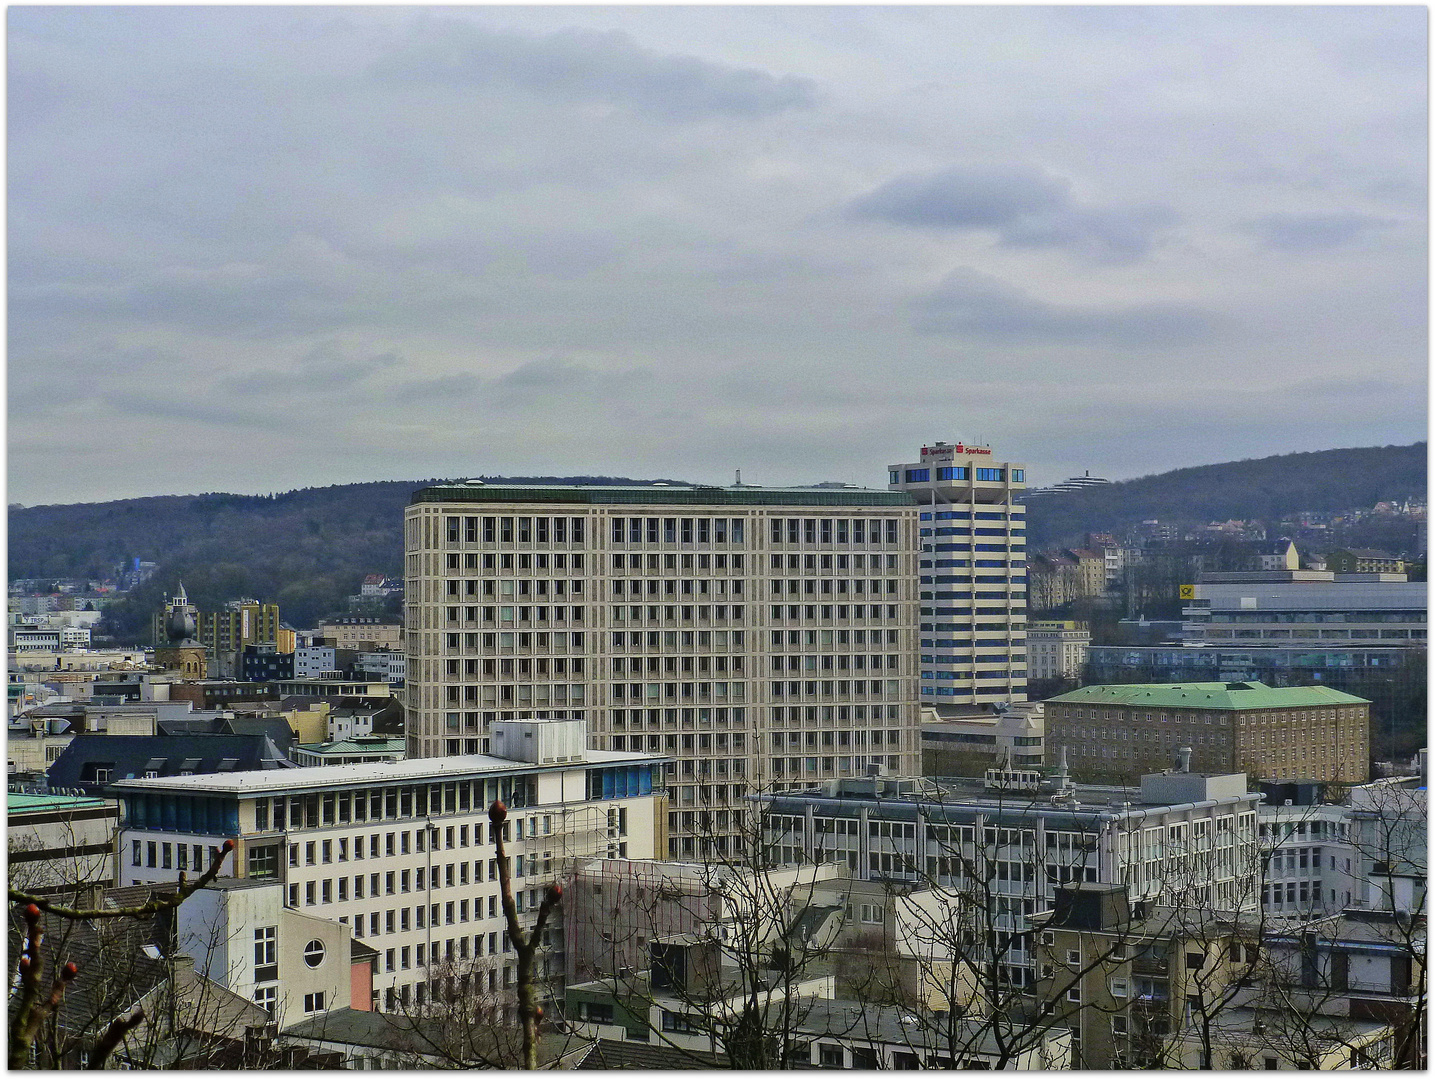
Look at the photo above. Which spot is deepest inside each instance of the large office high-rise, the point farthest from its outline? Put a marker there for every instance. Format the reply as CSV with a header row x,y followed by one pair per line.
x,y
972,574
762,638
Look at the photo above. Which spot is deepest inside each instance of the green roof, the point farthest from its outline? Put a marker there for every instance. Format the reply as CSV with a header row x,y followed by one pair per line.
x,y
670,495
1208,695
31,804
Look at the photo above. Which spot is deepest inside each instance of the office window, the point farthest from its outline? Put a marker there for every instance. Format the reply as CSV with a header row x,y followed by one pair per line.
x,y
266,946
314,1002
267,998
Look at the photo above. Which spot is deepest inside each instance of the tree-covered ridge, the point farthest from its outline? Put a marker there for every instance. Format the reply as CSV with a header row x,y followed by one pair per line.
x,y
307,549
1261,489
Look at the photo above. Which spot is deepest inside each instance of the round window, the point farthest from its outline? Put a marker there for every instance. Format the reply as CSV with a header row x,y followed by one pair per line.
x,y
314,953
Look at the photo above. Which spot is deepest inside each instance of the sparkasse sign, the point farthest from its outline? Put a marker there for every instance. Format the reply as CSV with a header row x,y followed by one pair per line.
x,y
958,449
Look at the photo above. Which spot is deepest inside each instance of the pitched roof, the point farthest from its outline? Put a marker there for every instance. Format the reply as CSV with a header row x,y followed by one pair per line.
x,y
128,756
362,744
611,1054
1207,695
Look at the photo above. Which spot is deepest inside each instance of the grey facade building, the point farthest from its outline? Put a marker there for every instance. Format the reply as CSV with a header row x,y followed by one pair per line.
x,y
760,637
1309,608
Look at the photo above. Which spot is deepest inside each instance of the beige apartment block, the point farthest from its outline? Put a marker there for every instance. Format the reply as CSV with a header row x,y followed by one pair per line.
x,y
1117,732
361,631
761,638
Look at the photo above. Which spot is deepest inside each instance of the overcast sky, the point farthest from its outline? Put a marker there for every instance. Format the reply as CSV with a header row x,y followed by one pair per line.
x,y
254,249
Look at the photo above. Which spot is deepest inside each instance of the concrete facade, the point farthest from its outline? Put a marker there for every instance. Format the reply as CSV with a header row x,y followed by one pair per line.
x,y
759,637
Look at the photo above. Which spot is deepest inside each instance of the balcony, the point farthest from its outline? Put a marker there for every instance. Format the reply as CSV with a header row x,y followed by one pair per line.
x,y
1146,964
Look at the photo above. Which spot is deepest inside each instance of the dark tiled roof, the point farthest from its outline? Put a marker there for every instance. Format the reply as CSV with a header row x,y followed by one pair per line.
x,y
609,1054
432,1037
129,756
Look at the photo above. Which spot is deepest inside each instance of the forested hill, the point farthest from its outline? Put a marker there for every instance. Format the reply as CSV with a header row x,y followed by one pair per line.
x,y
1263,489
307,549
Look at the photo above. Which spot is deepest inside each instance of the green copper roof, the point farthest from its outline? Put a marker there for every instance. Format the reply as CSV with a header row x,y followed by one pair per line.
x,y
1208,695
671,495
30,804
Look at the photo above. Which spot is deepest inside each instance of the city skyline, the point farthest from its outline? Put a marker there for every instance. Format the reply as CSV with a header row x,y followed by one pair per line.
x,y
256,249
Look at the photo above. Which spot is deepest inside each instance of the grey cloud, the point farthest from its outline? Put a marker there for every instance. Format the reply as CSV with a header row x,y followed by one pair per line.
x,y
444,386
1028,208
161,406
964,198
1106,235
589,66
529,382
325,368
974,305
1293,232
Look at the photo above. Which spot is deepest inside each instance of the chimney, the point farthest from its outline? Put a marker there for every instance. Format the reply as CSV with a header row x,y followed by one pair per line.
x,y
1183,759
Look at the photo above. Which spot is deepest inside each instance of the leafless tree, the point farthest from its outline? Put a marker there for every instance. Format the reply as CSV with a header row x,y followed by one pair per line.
x,y
36,999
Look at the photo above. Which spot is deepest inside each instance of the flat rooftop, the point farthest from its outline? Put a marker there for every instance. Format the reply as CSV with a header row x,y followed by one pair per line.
x,y
367,774
963,795
661,495
33,804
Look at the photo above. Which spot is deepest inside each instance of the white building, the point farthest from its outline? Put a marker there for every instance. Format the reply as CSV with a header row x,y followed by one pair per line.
x,y
312,661
973,574
1034,833
402,852
35,639
241,934
389,664
1056,650
1307,607
1313,867
759,637
1014,736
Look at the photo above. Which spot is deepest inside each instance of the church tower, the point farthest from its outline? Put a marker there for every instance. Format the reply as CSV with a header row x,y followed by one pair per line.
x,y
181,653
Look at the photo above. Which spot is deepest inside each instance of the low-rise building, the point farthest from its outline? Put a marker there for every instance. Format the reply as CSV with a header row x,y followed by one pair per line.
x,y
1150,986
241,934
1034,832
363,631
1116,732
1312,863
61,846
403,852
360,749
1056,649
1308,608
1364,561
90,764
330,688
958,742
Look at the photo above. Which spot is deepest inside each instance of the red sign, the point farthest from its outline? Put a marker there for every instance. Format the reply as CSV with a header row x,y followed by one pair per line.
x,y
958,449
